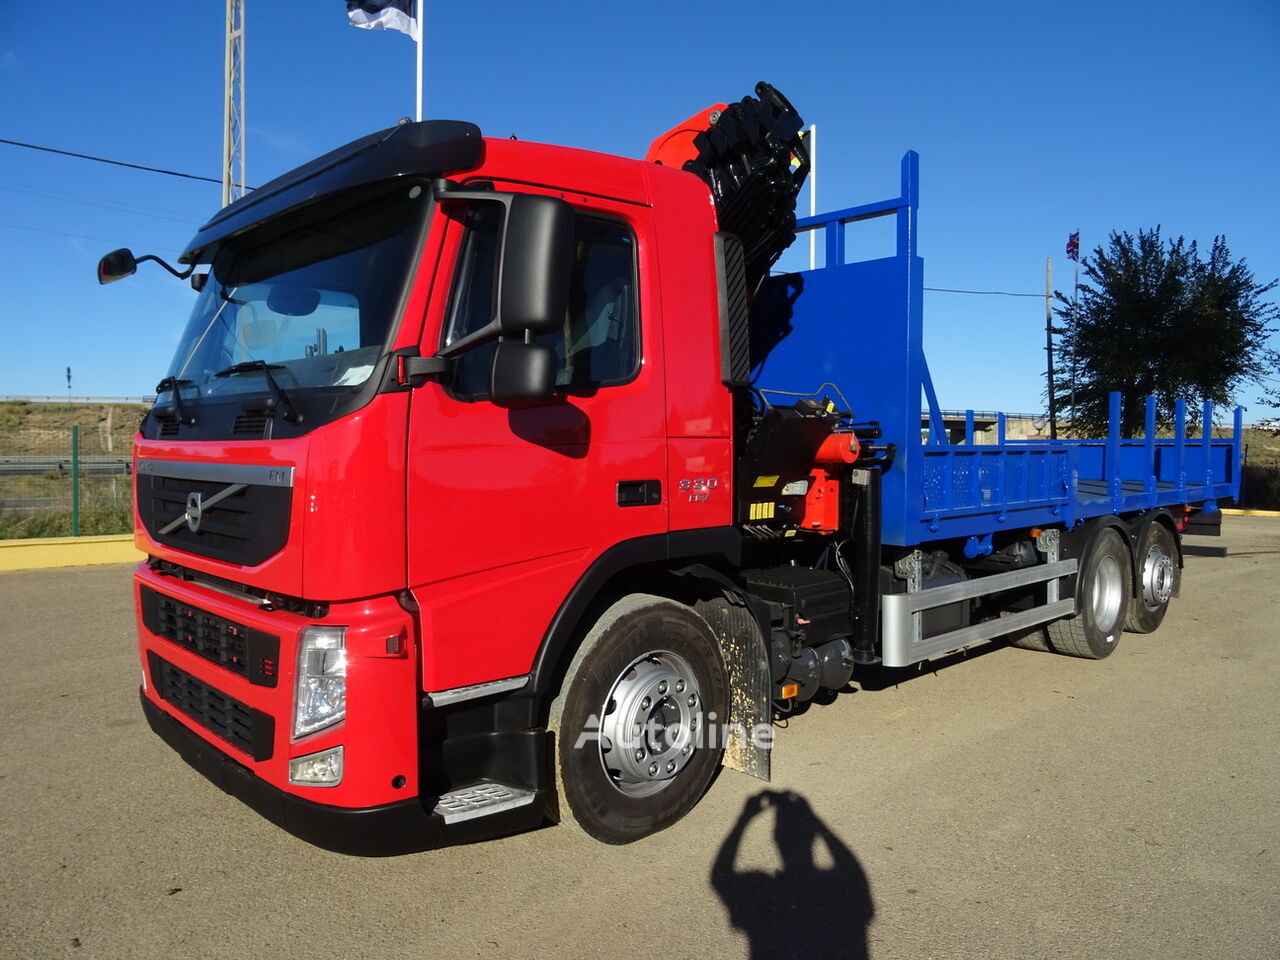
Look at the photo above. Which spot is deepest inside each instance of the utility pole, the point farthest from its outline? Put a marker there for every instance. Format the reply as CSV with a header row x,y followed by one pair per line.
x,y
233,124
1048,341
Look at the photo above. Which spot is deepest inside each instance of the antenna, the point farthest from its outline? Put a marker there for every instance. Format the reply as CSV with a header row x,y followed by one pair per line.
x,y
233,106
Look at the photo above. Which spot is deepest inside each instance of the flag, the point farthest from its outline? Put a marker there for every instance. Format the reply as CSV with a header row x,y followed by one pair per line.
x,y
1073,246
384,15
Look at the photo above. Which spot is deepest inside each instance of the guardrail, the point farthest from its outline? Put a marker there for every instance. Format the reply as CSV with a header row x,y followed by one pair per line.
x,y
35,466
18,398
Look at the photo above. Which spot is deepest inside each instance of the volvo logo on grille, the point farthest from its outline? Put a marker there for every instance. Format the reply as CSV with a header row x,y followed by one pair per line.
x,y
195,512
197,505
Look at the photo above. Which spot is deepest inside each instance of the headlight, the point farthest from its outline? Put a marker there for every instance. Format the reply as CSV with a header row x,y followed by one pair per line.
x,y
320,697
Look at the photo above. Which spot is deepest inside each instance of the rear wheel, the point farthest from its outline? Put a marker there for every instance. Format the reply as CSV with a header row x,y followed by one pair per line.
x,y
636,732
1103,589
1157,579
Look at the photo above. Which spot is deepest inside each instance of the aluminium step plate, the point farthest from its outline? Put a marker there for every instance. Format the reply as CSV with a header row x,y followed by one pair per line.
x,y
481,800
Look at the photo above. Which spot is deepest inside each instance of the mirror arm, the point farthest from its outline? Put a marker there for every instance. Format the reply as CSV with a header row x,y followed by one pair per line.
x,y
181,276
444,189
414,367
490,331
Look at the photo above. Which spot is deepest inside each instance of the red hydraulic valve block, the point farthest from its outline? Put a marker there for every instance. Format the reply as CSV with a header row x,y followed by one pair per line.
x,y
838,449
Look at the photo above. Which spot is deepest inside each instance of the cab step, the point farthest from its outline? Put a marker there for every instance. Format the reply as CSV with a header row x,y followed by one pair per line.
x,y
481,800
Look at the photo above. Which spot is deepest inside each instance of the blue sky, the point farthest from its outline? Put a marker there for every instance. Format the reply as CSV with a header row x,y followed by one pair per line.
x,y
1031,120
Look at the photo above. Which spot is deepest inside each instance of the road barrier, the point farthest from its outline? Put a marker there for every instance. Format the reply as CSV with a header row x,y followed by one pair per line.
x,y
36,553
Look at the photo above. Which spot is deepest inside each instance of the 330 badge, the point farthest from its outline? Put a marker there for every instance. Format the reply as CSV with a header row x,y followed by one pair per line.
x,y
699,488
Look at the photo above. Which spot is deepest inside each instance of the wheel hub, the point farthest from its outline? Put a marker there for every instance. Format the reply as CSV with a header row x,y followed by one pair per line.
x,y
1157,578
1107,594
649,722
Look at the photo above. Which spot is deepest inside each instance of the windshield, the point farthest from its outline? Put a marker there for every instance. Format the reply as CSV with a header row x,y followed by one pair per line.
x,y
306,301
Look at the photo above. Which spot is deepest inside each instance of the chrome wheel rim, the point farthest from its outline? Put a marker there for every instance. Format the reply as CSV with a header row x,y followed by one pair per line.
x,y
1157,577
1107,595
649,723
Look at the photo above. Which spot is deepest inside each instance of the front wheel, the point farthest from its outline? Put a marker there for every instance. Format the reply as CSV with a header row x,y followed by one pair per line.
x,y
637,722
1157,579
1103,588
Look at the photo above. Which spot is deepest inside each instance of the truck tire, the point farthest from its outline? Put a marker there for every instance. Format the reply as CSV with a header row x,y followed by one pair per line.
x,y
1104,587
1158,577
636,724
1031,639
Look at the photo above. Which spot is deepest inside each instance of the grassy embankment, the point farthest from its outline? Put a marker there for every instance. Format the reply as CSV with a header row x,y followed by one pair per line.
x,y
1261,484
40,505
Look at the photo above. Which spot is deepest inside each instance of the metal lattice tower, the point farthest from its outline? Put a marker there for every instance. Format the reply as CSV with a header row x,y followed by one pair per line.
x,y
233,106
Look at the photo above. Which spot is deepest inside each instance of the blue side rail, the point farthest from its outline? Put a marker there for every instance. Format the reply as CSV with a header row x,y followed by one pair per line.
x,y
860,326
974,490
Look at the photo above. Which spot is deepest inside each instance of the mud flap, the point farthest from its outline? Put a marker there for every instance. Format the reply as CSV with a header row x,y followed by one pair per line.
x,y
750,684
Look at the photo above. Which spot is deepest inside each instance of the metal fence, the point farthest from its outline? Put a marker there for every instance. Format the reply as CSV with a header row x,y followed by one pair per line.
x,y
65,469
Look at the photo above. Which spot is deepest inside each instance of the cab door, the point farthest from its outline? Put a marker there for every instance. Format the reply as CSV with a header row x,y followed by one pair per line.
x,y
506,508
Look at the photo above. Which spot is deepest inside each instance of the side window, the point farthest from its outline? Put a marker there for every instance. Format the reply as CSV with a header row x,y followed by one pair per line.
x,y
599,342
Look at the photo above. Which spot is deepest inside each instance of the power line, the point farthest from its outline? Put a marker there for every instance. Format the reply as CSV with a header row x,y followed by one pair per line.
x,y
73,236
67,194
987,293
103,203
118,163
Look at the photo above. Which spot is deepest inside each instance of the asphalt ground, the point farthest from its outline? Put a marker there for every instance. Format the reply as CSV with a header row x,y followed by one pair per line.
x,y
1006,804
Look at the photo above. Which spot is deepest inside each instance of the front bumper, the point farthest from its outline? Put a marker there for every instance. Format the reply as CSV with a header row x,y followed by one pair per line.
x,y
400,827
394,828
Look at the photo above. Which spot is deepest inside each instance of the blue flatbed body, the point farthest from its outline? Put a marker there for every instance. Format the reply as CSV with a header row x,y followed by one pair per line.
x,y
859,326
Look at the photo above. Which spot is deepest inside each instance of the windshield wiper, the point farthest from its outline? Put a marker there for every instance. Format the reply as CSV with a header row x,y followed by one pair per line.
x,y
177,410
281,401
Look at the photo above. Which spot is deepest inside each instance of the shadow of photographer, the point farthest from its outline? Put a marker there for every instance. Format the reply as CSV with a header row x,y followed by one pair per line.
x,y
804,909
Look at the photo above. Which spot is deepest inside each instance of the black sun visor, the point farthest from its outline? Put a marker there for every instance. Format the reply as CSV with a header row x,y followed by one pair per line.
x,y
429,148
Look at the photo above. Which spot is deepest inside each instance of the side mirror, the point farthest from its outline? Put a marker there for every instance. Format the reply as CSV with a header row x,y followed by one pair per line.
x,y
522,375
117,265
535,263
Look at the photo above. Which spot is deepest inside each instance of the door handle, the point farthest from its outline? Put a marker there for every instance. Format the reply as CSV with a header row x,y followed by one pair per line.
x,y
639,493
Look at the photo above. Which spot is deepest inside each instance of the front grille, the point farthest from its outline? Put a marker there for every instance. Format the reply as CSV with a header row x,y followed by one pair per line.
x,y
250,653
246,527
240,725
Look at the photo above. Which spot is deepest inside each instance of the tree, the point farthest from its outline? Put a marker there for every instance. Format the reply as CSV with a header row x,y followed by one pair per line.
x,y
1155,319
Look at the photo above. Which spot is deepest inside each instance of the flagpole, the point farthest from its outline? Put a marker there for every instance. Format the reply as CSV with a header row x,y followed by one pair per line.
x,y
418,87
813,194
